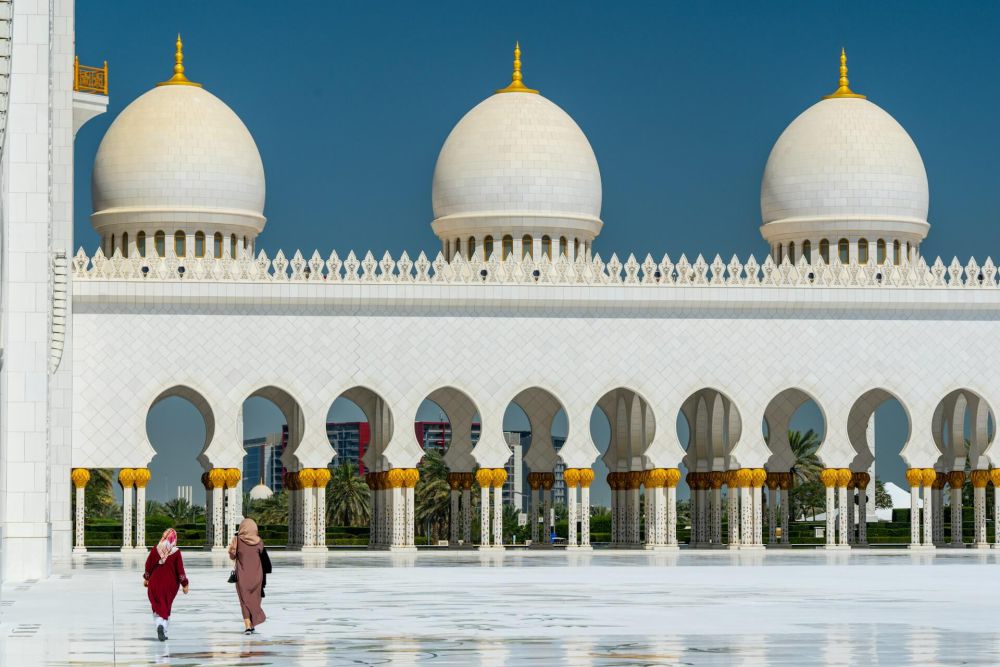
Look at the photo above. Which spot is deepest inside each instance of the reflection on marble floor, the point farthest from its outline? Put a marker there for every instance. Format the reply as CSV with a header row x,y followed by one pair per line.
x,y
600,609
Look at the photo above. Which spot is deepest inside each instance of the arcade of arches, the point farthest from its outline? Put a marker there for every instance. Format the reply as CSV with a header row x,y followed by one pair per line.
x,y
643,497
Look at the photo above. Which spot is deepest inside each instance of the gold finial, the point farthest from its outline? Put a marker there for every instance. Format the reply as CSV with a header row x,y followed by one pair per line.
x,y
178,79
516,85
844,90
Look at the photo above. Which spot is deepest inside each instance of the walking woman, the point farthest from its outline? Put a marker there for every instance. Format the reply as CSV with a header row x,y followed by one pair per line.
x,y
163,576
246,549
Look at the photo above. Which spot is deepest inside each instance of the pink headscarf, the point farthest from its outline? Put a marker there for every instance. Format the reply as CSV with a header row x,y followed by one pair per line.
x,y
167,544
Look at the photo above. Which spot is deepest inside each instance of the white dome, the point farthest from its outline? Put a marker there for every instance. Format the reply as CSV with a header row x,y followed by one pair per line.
x,y
844,167
178,155
261,492
517,163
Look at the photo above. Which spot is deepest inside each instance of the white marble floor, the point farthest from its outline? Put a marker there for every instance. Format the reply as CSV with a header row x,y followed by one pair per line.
x,y
579,610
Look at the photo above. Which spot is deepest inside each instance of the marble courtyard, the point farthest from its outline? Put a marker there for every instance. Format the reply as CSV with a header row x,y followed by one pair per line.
x,y
599,609
836,307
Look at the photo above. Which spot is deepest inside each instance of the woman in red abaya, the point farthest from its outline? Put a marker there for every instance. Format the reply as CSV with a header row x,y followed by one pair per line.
x,y
164,575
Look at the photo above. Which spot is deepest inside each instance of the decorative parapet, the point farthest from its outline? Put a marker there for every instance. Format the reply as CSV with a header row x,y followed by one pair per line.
x,y
90,79
595,272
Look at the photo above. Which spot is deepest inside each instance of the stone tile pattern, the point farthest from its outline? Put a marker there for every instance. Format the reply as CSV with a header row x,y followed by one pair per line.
x,y
201,157
513,153
35,416
844,158
228,328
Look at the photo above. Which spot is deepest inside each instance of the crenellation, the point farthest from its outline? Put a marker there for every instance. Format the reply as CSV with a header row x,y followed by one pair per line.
x,y
563,271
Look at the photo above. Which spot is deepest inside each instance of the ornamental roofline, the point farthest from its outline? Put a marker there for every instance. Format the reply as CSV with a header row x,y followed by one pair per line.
x,y
494,272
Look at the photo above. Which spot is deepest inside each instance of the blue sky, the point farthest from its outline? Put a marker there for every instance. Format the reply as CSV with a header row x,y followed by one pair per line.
x,y
350,102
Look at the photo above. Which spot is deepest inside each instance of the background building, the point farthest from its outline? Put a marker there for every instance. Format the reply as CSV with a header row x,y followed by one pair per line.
x,y
262,462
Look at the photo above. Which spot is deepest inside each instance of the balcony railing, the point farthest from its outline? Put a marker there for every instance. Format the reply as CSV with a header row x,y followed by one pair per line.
x,y
90,79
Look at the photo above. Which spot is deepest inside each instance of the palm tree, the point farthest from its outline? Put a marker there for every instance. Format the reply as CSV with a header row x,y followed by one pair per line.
x,y
432,496
153,508
348,499
179,510
99,496
271,511
807,465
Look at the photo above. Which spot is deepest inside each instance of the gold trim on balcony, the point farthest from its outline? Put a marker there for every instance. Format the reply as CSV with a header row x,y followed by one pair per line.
x,y
90,79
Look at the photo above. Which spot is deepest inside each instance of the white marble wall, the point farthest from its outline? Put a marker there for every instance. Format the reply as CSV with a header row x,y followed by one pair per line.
x,y
37,199
389,325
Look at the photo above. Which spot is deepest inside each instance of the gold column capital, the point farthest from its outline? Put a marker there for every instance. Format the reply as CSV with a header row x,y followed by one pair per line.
x,y
140,477
126,477
829,476
80,477
321,477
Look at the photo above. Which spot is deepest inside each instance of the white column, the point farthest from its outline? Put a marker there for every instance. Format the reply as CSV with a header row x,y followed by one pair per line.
x,y
733,498
784,514
320,492
758,515
81,546
937,527
126,518
498,516
533,515
928,515
850,514
915,509
635,518
455,519
996,511
307,520
585,516
409,518
956,517
232,508
374,515
863,516
218,528
702,516
140,517
979,513
209,519
571,515
772,534
467,516
614,512
548,519
716,536
484,516
292,512
661,515
671,515
385,519
373,509
397,522
831,526
692,511
746,515
842,514
651,517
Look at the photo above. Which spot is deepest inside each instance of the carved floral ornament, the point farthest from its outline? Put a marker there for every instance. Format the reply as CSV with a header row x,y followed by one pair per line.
x,y
526,271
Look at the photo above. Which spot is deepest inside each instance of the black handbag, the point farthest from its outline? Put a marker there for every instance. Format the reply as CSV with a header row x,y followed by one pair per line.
x,y
232,577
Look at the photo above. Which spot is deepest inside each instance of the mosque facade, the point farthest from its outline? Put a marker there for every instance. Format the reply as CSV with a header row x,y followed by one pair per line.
x,y
518,306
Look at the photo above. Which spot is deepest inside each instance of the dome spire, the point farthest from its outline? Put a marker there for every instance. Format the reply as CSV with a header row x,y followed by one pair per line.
x,y
844,90
178,79
516,85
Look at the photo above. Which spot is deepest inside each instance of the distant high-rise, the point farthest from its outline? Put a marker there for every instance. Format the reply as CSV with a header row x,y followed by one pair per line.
x,y
262,461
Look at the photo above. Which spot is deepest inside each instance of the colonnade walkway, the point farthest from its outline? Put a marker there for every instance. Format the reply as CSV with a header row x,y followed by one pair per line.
x,y
580,609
